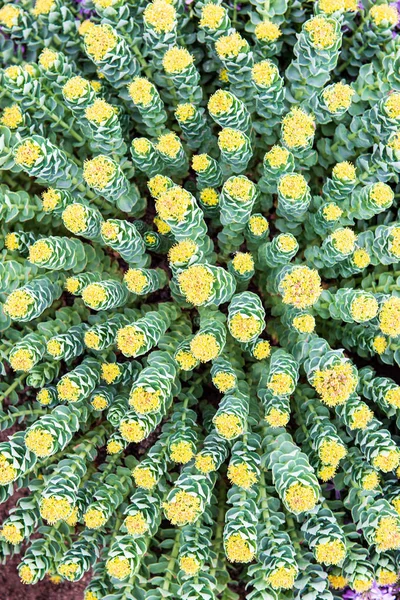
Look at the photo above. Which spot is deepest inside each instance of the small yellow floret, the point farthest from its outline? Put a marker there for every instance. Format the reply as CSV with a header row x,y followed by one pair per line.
x,y
94,518
47,58
184,508
94,295
361,258
54,347
277,418
387,534
54,509
99,112
136,524
40,442
281,384
322,32
231,140
182,252
22,360
242,475
186,360
12,117
331,212
335,384
75,88
169,145
387,460
43,7
68,390
99,402
40,252
245,327
212,16
331,452
330,553
300,498
392,105
389,317
132,431
118,567
277,157
204,347
264,73
26,574
144,478
145,400
7,472
267,31
196,284
200,162
304,323
92,340
99,41
337,582
361,417
224,382
230,46
99,172
282,578
364,308
28,153
205,463
51,199
142,91
11,534
9,15
130,340
344,240
185,112
228,426
262,350
301,287
190,565
298,128
338,97
384,15
238,549
114,447
181,452
239,188
160,15
220,103
177,60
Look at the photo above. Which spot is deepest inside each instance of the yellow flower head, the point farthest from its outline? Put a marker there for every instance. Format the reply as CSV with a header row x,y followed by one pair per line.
x,y
331,212
379,344
94,518
85,26
344,240
277,157
361,417
110,372
386,577
11,242
258,225
322,32
392,105
51,199
224,382
9,15
277,418
69,570
387,460
330,553
21,360
132,431
99,402
94,295
238,549
185,112
54,347
136,524
267,31
282,578
231,140
239,188
130,340
99,41
331,452
76,88
228,426
293,186
286,242
182,252
169,145
186,360
141,146
241,475
205,463
326,472
13,72
364,308
361,258
177,60
17,304
114,447
174,204
381,194
26,574
209,197
389,317
43,7
99,172
230,46
337,582
298,128
40,252
205,347
189,564
135,280
387,534
392,397
212,16
160,16
47,58
335,384
301,287
338,97
281,384
144,478
28,154
12,116
262,350
68,390
300,498
118,567
142,91
54,509
394,245
196,284
200,163
243,263
181,452
384,15
264,73
220,103
184,508
145,400
344,171
245,327
331,6
7,472
99,112
304,323
40,442
11,533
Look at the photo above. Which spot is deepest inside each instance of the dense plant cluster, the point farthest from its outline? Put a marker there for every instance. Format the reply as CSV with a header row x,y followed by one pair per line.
x,y
199,285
